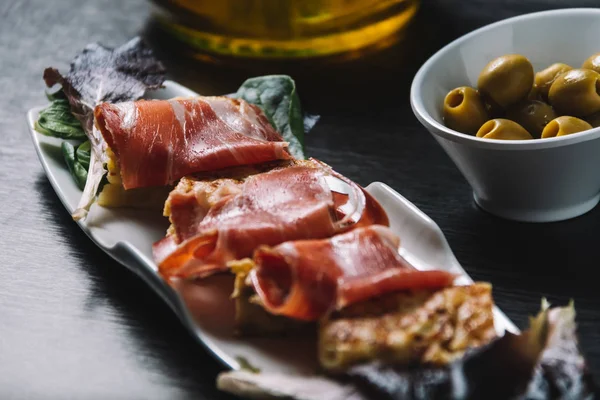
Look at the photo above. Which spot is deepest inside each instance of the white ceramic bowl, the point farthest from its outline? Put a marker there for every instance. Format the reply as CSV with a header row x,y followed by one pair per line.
x,y
527,180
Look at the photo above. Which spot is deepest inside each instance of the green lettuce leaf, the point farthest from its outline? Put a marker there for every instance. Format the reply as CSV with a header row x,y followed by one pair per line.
x,y
83,154
276,95
77,160
56,120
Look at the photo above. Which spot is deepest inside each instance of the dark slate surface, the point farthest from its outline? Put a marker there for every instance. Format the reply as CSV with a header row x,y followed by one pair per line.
x,y
74,324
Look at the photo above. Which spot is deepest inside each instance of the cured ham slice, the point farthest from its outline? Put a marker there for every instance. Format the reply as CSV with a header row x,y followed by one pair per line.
x,y
157,142
265,209
307,279
193,197
218,221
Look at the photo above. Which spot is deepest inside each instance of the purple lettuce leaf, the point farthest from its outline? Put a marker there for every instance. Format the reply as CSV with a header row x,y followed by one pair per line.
x,y
543,362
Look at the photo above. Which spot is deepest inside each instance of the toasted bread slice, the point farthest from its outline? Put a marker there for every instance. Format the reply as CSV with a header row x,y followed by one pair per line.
x,y
431,327
113,195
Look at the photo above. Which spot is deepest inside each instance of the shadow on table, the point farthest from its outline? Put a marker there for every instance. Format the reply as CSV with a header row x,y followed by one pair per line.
x,y
552,260
362,84
556,256
154,328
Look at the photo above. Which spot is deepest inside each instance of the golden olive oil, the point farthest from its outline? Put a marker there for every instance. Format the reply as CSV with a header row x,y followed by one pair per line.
x,y
283,28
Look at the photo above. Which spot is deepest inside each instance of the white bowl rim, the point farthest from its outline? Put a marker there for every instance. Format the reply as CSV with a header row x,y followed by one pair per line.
x,y
416,99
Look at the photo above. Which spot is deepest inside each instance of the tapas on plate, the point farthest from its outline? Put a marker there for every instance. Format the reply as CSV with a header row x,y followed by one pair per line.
x,y
303,282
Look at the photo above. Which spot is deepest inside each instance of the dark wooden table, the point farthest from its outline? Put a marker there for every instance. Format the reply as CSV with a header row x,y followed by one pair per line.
x,y
75,324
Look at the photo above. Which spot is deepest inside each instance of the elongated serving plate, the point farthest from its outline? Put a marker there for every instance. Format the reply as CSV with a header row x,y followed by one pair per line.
x,y
205,308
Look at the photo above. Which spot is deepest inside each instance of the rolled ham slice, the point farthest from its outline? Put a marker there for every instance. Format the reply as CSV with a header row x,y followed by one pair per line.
x,y
307,279
215,222
157,142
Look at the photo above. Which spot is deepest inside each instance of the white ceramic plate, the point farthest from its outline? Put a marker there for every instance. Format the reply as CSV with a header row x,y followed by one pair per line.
x,y
205,309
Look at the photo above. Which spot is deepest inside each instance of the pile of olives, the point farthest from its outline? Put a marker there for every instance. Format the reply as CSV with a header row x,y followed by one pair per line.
x,y
512,102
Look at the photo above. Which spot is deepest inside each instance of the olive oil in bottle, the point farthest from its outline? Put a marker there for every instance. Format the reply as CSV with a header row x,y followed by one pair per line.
x,y
283,29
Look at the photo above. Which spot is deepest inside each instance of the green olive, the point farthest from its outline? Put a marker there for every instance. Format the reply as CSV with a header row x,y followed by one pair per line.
x,y
533,115
493,109
576,92
564,125
464,111
534,93
593,120
504,129
506,80
592,63
546,77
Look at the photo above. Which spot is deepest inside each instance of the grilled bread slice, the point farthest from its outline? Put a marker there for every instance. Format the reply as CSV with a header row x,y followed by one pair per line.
x,y
113,195
415,327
